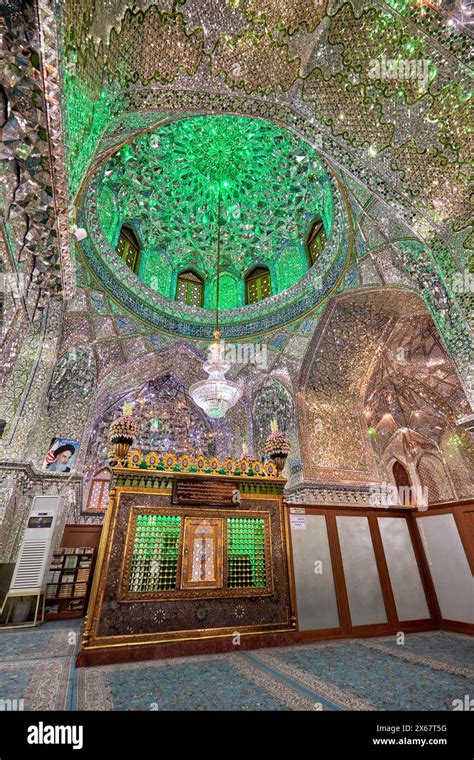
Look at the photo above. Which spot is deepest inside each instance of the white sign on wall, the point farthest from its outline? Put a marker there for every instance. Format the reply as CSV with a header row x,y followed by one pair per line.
x,y
298,522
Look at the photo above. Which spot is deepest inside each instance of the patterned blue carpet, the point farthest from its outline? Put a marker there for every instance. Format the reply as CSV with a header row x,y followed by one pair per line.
x,y
37,664
427,672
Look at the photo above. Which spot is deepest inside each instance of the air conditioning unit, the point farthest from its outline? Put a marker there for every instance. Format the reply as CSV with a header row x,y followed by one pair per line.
x,y
34,556
28,582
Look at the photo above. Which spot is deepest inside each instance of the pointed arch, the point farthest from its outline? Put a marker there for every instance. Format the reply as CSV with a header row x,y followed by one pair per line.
x,y
99,489
190,288
274,401
315,240
403,483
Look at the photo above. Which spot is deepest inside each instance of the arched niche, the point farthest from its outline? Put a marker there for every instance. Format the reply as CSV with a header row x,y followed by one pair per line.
x,y
273,401
167,417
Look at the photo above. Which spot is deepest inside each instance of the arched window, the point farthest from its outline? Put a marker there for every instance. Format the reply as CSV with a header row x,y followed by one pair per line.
x,y
403,483
98,497
190,289
316,240
257,285
128,248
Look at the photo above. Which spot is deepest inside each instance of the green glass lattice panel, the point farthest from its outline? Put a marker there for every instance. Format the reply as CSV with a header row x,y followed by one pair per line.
x,y
156,272
155,553
108,216
290,267
245,553
228,292
189,292
327,209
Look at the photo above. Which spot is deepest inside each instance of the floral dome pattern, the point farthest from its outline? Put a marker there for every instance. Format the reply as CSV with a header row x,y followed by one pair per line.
x,y
166,183
273,189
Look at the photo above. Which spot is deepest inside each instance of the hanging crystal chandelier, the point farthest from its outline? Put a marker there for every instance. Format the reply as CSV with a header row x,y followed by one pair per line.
x,y
217,394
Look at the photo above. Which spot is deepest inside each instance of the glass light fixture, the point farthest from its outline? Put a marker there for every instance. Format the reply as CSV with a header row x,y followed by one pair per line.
x,y
217,394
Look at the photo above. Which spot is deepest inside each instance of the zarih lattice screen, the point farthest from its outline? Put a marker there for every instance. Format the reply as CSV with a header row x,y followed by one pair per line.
x,y
155,553
200,553
245,552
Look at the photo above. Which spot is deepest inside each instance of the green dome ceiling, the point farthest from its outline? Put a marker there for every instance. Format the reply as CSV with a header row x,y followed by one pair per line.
x,y
166,183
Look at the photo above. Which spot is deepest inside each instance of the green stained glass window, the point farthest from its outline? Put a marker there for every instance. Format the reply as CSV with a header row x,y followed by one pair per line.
x,y
190,289
245,553
258,285
128,248
316,240
155,553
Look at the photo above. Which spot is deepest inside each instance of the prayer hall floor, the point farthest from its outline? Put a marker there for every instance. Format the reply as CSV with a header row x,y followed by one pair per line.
x,y
428,672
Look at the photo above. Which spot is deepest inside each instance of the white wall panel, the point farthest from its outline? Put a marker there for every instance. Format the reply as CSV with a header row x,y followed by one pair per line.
x,y
315,592
452,577
360,571
407,587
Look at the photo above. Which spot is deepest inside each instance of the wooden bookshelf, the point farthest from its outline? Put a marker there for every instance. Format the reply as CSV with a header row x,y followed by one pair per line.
x,y
68,582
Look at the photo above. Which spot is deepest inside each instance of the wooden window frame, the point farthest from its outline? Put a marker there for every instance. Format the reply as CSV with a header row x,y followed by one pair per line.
x,y
257,275
96,478
197,282
316,231
128,235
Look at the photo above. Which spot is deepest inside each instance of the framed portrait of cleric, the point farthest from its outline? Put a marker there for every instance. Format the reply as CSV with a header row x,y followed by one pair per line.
x,y
61,456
